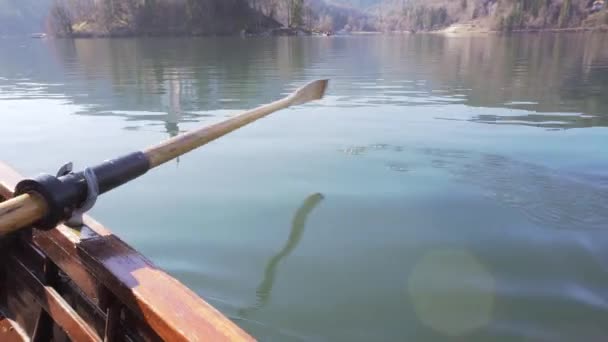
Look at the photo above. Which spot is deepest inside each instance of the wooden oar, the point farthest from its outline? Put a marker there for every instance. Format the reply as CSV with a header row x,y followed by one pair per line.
x,y
47,201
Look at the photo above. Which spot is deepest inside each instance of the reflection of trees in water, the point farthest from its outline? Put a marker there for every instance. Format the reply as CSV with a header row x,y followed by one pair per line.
x,y
553,73
561,72
172,99
139,78
174,107
214,66
552,122
298,225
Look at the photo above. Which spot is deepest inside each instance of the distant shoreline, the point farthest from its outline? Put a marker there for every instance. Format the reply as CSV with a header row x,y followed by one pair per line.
x,y
466,29
454,30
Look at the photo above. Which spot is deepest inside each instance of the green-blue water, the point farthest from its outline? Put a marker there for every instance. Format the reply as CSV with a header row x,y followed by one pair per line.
x,y
445,189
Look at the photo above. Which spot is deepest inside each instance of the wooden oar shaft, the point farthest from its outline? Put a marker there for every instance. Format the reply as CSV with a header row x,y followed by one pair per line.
x,y
21,211
48,200
181,144
184,143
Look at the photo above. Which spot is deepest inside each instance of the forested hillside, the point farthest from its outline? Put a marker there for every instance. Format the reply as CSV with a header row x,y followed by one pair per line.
x,y
155,17
151,17
426,15
230,16
360,4
505,15
321,15
202,17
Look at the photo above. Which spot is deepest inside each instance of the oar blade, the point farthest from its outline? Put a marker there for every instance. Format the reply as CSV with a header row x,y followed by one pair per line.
x,y
314,90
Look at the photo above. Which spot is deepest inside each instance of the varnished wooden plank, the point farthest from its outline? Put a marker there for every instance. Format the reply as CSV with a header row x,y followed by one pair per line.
x,y
59,247
126,330
166,304
44,324
86,305
87,310
172,310
17,303
58,309
10,332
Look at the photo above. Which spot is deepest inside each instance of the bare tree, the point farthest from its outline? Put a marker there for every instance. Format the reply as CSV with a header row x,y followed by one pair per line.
x,y
61,18
326,23
309,17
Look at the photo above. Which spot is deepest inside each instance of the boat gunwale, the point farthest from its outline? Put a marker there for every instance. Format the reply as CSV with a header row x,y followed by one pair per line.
x,y
171,309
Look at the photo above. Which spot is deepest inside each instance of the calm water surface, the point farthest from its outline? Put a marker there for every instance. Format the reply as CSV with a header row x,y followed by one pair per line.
x,y
446,189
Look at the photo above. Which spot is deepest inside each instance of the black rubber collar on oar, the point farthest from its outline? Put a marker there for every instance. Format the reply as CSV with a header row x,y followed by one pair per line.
x,y
66,193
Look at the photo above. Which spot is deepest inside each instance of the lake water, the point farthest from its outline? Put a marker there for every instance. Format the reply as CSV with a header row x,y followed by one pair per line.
x,y
445,189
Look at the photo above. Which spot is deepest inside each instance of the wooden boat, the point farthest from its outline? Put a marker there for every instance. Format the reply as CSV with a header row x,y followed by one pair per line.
x,y
88,285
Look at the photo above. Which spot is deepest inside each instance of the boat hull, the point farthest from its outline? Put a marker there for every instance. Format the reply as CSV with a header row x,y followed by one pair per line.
x,y
89,285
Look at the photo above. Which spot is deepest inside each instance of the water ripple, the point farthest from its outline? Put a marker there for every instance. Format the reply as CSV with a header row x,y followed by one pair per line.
x,y
544,196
